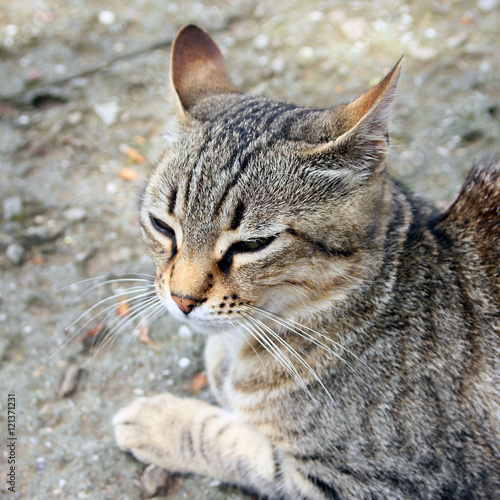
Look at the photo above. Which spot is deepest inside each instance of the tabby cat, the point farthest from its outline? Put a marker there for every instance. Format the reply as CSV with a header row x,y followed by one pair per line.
x,y
353,331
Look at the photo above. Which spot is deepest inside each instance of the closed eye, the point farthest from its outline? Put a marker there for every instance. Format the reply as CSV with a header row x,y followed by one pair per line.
x,y
162,227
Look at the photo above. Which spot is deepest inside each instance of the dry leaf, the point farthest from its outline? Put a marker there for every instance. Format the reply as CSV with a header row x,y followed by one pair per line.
x,y
38,260
129,174
90,334
139,139
198,383
134,155
144,334
123,308
95,337
467,21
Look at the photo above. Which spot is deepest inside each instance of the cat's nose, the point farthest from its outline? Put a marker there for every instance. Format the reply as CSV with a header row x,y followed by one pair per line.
x,y
185,304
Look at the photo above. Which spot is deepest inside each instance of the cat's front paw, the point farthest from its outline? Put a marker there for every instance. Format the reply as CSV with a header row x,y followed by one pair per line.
x,y
148,427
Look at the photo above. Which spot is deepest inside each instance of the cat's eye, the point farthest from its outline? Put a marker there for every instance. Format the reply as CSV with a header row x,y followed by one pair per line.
x,y
252,245
243,247
162,227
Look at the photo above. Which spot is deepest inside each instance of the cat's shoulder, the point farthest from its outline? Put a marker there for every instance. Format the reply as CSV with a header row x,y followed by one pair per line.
x,y
473,219
477,206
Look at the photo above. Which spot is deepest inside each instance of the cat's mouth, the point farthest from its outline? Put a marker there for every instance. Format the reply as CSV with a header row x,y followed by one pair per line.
x,y
203,318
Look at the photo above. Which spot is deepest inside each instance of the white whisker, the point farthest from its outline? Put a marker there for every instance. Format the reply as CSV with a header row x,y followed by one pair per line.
x,y
301,330
273,316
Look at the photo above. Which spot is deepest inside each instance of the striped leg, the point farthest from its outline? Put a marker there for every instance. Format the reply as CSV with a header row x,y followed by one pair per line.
x,y
186,435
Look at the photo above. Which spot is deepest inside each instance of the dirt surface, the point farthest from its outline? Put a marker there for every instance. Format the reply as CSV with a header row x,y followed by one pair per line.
x,y
83,96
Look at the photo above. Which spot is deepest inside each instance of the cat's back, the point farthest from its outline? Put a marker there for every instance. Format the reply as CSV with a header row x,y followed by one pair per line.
x,y
472,225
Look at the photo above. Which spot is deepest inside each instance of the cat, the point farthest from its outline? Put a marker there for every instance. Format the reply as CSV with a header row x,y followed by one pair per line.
x,y
353,331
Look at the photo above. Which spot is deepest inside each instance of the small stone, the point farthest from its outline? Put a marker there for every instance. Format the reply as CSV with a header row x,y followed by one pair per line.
x,y
354,28
111,188
305,54
75,214
487,5
107,111
38,235
107,17
75,117
261,41
70,380
24,120
15,253
156,481
11,30
424,54
184,362
33,74
316,16
278,65
184,332
12,206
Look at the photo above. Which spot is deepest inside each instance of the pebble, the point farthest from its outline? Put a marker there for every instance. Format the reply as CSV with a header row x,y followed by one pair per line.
x,y
111,188
278,65
75,117
184,332
487,5
156,481
424,54
24,120
107,17
75,214
70,380
261,41
11,30
107,111
12,139
354,28
15,253
12,206
184,362
38,235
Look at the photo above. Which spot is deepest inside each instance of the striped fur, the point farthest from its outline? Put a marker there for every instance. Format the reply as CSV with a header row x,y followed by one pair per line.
x,y
354,332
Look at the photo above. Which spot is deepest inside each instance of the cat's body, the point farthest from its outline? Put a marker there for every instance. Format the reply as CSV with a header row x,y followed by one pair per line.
x,y
354,332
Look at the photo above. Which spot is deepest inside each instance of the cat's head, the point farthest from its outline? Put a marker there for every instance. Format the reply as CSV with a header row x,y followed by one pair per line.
x,y
260,205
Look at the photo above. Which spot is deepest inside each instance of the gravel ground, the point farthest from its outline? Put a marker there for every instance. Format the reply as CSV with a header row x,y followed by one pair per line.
x,y
83,101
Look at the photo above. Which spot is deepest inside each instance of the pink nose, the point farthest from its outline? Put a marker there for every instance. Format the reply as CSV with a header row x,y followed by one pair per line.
x,y
185,305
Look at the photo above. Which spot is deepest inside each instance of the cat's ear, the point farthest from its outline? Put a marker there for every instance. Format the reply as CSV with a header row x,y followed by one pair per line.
x,y
197,68
362,126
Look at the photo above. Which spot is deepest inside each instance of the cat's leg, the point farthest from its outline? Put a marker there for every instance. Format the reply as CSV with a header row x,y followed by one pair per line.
x,y
187,435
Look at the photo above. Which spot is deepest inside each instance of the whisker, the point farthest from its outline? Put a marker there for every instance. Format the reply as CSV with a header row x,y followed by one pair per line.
x,y
80,282
272,315
125,293
295,354
308,368
275,352
308,336
113,333
148,315
109,310
121,280
246,339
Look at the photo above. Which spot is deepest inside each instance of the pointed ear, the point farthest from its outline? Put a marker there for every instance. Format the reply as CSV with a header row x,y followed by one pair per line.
x,y
362,125
197,67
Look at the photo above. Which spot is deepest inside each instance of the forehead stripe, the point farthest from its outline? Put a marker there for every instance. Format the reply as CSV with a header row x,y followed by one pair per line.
x,y
238,215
